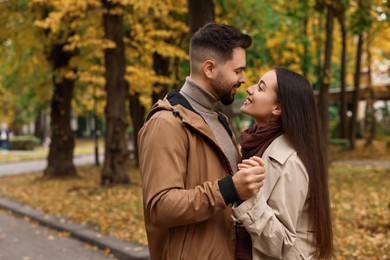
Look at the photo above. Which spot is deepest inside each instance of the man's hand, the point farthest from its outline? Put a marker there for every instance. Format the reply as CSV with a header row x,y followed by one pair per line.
x,y
249,179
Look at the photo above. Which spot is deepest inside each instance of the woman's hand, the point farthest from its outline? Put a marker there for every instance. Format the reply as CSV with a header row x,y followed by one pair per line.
x,y
249,178
251,162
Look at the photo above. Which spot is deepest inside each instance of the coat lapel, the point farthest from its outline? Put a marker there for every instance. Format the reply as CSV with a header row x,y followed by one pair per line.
x,y
275,157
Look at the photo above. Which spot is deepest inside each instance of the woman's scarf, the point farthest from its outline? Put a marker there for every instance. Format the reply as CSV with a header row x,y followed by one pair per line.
x,y
254,141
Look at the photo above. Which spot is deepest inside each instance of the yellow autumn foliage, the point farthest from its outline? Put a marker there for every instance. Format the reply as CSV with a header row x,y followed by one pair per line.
x,y
159,27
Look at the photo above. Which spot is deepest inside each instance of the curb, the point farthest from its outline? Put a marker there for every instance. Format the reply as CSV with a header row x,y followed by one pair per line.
x,y
120,249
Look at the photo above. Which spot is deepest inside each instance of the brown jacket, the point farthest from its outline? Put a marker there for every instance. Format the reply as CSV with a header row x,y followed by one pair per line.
x,y
185,179
277,218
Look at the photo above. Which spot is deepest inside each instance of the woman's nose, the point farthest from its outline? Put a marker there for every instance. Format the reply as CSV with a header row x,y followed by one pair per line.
x,y
249,90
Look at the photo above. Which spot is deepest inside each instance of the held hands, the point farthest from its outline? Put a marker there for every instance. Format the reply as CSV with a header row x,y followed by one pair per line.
x,y
249,178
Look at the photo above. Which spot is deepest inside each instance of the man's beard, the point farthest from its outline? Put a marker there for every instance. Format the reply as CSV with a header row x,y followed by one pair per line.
x,y
220,84
227,99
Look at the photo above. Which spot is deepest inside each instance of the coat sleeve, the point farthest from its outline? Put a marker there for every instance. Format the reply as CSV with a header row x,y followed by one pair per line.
x,y
163,144
272,223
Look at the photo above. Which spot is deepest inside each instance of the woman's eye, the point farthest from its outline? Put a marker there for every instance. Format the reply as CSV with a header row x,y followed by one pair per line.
x,y
262,86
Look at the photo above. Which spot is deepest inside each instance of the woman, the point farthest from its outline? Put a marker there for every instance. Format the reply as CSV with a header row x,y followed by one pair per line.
x,y
290,217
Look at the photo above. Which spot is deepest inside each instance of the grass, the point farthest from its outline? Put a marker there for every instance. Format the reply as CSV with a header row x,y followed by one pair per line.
x,y
360,199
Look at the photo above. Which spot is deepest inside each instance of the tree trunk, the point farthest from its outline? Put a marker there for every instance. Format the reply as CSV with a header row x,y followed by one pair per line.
x,y
343,73
356,93
39,126
326,74
161,68
370,119
115,168
316,28
95,127
137,112
60,158
306,56
200,12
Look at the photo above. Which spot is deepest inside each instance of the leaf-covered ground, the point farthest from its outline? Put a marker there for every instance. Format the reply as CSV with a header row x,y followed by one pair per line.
x,y
361,213
115,211
360,204
379,150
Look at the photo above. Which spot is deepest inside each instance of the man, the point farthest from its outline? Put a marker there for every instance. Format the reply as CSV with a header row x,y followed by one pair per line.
x,y
188,155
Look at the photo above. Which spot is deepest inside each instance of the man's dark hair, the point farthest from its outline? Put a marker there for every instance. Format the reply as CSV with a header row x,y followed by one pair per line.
x,y
220,39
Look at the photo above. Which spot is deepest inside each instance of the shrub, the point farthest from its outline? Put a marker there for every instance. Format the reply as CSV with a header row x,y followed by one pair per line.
x,y
23,142
340,142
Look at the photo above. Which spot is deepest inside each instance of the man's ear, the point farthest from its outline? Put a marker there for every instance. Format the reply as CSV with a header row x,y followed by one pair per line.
x,y
209,68
277,111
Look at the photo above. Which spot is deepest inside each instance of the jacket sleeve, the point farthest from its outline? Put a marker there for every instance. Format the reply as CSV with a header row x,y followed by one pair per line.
x,y
163,144
272,223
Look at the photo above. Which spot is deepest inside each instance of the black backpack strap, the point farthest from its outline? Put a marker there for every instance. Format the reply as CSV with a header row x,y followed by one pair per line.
x,y
222,118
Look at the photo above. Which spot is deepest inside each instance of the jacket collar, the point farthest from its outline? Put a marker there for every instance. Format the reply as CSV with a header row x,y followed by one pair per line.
x,y
198,97
280,149
175,98
181,109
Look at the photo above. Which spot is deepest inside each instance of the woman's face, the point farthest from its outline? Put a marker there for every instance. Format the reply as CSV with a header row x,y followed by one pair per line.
x,y
261,101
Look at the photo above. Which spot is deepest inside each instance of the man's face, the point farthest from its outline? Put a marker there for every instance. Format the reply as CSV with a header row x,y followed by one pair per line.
x,y
229,76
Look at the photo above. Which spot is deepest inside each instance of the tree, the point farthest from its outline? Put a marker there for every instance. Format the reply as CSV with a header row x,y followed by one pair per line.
x,y
356,92
25,76
200,12
116,150
340,14
370,120
64,25
378,26
360,21
154,35
326,74
60,158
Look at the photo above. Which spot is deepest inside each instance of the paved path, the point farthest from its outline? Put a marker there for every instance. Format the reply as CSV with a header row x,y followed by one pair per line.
x,y
13,168
373,163
21,239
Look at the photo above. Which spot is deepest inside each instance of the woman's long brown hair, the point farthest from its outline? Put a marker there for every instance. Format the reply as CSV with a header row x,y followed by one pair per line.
x,y
301,127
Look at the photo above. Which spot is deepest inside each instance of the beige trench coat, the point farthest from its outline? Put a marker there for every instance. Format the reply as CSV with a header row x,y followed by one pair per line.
x,y
277,218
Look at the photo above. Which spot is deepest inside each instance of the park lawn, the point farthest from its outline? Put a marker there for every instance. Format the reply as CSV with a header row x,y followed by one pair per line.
x,y
360,199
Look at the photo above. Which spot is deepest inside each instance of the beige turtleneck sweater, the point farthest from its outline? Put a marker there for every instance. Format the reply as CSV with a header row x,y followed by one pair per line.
x,y
202,101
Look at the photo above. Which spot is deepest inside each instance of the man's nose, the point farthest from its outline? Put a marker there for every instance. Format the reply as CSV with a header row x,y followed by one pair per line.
x,y
243,79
